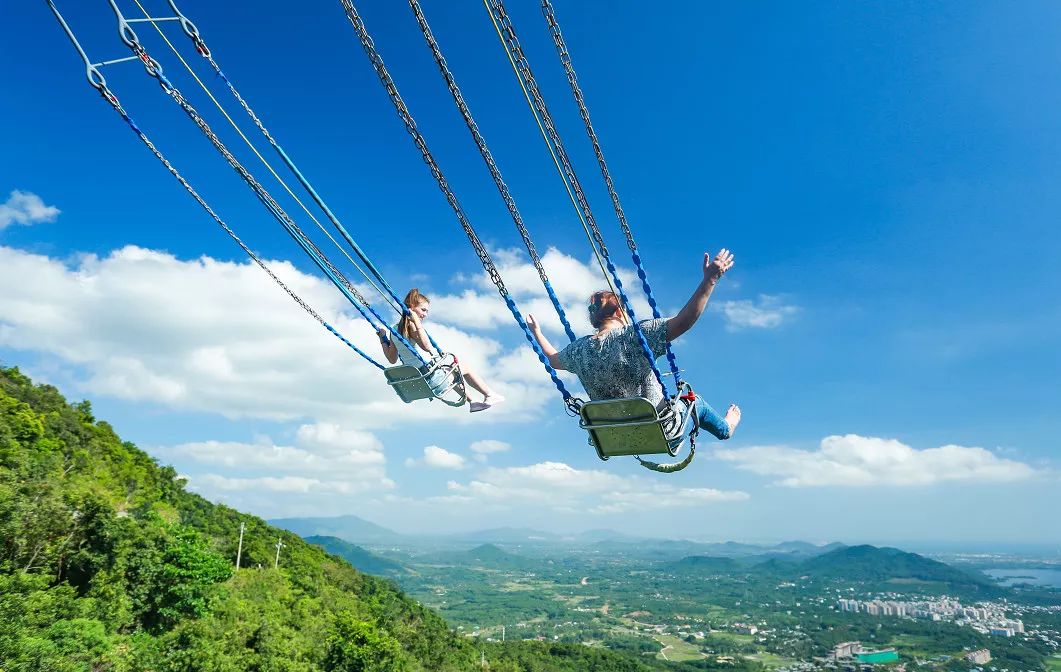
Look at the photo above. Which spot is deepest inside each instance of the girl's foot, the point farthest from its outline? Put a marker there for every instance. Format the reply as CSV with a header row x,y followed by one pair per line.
x,y
733,418
491,400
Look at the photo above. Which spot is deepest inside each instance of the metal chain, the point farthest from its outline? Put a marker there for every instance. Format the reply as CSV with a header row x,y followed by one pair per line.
x,y
512,42
129,37
576,90
390,295
410,125
192,31
573,404
113,100
565,59
335,275
508,31
98,82
495,172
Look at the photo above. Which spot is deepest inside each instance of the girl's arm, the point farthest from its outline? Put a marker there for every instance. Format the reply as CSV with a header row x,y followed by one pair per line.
x,y
543,342
694,308
417,333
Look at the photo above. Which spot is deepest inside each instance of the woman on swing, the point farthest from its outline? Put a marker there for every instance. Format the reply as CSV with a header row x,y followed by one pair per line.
x,y
610,363
411,327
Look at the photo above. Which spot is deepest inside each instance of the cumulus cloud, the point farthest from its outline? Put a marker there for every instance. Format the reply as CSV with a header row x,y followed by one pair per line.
x,y
853,461
481,450
320,449
561,487
573,281
437,458
324,460
489,446
23,207
766,312
220,337
283,484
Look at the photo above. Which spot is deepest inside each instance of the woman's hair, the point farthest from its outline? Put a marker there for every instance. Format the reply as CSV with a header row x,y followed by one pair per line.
x,y
412,300
602,305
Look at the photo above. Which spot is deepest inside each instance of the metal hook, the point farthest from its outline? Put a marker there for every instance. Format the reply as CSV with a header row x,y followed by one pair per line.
x,y
125,31
189,28
92,73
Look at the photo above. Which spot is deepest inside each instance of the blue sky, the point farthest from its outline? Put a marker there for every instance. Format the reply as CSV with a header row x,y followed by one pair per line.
x,y
884,173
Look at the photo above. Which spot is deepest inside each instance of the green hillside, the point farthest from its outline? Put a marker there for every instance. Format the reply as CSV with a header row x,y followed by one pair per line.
x,y
870,563
848,564
108,565
487,556
348,528
362,560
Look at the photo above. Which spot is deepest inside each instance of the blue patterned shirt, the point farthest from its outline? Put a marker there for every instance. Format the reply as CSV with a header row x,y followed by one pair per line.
x,y
614,366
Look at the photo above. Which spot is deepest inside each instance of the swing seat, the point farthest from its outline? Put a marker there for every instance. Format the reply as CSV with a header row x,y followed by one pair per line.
x,y
436,380
634,426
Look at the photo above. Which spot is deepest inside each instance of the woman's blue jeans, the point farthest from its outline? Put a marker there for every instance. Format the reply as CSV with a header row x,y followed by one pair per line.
x,y
709,419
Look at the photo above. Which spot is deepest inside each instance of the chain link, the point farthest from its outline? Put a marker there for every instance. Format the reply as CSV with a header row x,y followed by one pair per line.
x,y
155,70
569,70
425,153
508,31
113,100
421,144
480,142
576,90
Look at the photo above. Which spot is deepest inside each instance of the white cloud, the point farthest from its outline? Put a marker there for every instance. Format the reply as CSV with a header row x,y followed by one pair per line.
x,y
766,312
220,337
321,449
437,458
572,280
23,207
282,484
661,496
558,486
489,446
853,460
324,461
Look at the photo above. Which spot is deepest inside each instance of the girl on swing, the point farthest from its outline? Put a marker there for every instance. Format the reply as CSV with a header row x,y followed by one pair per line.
x,y
411,327
610,363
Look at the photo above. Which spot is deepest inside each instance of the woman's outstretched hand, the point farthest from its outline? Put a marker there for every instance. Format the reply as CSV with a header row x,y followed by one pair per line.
x,y
533,324
715,268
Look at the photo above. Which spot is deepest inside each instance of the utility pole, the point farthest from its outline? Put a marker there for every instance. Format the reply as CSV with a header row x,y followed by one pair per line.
x,y
239,550
502,633
279,544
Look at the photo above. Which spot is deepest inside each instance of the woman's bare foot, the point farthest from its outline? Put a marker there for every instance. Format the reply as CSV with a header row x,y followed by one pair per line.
x,y
733,418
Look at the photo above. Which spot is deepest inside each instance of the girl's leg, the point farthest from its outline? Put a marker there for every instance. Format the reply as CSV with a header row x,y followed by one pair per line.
x,y
490,398
709,419
476,382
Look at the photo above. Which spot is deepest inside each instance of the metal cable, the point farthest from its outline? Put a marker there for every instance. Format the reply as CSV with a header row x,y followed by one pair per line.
x,y
511,43
552,153
154,69
488,158
569,70
97,81
258,154
418,139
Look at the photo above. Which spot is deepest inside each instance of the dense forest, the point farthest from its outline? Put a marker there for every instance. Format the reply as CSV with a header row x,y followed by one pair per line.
x,y
107,564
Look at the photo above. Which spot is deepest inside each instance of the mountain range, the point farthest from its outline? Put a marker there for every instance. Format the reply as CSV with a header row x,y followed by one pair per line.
x,y
357,530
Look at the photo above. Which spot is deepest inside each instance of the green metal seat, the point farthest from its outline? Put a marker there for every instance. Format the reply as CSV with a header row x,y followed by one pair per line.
x,y
634,426
440,379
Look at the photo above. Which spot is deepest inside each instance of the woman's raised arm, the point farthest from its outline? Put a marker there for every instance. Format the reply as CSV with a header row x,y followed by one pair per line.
x,y
543,342
694,307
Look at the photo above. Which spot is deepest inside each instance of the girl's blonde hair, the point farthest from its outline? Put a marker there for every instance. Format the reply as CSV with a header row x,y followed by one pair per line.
x,y
412,299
